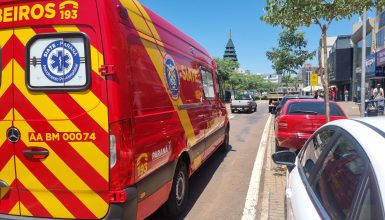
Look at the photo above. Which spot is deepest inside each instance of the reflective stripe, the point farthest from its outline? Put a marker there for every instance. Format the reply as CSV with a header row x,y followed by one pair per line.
x,y
5,35
24,210
44,196
65,175
6,80
7,174
52,113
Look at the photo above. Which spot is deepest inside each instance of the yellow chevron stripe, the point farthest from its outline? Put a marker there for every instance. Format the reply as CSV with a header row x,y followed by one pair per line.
x,y
65,175
157,55
97,58
24,34
6,80
5,35
7,175
15,209
42,194
24,210
60,122
96,109
4,125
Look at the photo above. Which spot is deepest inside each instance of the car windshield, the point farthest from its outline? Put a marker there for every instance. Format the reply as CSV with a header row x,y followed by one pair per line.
x,y
312,108
242,97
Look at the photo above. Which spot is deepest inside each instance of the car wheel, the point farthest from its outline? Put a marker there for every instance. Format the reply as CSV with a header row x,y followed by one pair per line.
x,y
232,111
225,147
177,200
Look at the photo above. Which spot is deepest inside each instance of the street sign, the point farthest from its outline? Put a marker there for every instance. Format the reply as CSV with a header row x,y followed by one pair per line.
x,y
314,79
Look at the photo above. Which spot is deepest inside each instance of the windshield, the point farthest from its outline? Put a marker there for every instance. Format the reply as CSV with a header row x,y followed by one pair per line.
x,y
312,108
242,97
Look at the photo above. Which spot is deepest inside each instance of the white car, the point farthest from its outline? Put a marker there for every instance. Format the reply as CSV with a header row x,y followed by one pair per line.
x,y
339,173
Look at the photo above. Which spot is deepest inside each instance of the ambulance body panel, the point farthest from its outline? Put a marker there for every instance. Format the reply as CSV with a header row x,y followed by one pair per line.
x,y
101,101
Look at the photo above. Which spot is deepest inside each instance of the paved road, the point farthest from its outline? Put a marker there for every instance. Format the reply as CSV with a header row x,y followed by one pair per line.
x,y
218,189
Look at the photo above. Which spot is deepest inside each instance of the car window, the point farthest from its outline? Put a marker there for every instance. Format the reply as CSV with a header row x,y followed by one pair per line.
x,y
316,108
242,97
371,204
338,180
314,149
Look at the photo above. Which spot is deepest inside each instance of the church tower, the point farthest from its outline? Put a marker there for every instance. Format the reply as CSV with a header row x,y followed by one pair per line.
x,y
230,52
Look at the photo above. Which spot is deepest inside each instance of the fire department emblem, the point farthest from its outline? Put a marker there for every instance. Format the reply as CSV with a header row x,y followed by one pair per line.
x,y
172,77
60,61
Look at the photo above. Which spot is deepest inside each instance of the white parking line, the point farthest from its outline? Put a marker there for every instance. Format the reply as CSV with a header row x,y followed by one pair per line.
x,y
249,212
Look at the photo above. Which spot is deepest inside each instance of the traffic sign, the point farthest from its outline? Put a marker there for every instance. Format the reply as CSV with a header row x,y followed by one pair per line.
x,y
314,79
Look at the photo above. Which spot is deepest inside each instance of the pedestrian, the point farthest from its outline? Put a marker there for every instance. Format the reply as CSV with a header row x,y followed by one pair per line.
x,y
316,95
378,92
346,95
332,94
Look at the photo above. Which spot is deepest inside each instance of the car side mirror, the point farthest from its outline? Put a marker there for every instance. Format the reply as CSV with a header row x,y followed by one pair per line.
x,y
286,158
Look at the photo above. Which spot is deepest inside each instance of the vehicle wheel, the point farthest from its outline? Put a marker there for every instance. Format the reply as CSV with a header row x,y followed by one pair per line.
x,y
177,200
225,147
232,111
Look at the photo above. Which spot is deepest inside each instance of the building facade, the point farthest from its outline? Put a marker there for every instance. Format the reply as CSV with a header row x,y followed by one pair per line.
x,y
371,48
340,66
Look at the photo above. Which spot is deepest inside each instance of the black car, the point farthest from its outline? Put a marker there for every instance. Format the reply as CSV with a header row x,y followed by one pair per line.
x,y
288,97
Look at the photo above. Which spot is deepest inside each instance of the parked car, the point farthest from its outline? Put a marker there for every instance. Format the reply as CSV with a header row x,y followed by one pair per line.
x,y
299,119
339,173
287,98
243,102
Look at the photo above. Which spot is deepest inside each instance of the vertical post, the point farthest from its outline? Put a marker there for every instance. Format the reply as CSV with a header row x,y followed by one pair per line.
x,y
363,68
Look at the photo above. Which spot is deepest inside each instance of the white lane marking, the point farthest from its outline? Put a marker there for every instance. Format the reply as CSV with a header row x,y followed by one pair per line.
x,y
231,116
249,212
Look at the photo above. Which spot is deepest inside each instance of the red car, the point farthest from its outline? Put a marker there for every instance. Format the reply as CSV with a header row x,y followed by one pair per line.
x,y
299,119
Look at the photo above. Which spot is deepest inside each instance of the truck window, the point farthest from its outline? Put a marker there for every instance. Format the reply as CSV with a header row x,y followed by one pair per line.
x,y
58,62
208,83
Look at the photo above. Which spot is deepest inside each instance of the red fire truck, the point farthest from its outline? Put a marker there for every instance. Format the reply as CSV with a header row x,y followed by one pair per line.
x,y
106,110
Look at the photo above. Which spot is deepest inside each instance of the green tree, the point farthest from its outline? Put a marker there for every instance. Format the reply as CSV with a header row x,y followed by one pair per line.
x,y
226,68
293,14
291,53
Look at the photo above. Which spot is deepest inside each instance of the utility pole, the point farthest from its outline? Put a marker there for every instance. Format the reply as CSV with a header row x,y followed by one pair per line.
x,y
363,67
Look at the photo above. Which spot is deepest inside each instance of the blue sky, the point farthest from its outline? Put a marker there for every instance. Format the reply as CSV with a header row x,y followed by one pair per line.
x,y
209,22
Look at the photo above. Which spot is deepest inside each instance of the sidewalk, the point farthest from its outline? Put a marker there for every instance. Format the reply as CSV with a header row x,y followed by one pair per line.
x,y
271,205
350,108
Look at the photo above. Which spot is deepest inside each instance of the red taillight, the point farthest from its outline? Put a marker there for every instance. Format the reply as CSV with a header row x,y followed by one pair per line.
x,y
121,159
117,196
282,125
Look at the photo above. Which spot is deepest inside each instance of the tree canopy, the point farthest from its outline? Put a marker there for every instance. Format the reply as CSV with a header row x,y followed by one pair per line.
x,y
291,53
293,14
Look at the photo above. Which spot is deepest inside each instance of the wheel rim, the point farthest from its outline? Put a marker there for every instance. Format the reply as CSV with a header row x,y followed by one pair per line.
x,y
180,188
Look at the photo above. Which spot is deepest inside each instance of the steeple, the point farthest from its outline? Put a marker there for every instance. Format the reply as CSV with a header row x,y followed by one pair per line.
x,y
230,52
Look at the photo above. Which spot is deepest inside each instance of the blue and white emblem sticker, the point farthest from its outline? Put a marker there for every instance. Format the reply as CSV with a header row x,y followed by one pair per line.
x,y
172,77
60,61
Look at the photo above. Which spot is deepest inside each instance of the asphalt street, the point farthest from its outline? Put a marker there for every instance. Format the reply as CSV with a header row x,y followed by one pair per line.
x,y
219,188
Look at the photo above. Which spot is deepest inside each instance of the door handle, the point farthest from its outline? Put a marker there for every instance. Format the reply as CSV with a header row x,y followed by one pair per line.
x,y
4,184
36,153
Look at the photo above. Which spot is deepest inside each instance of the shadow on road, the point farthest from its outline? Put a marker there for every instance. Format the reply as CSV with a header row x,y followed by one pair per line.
x,y
198,182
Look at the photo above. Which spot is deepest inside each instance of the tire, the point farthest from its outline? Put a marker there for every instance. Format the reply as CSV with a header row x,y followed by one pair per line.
x,y
225,147
177,201
232,111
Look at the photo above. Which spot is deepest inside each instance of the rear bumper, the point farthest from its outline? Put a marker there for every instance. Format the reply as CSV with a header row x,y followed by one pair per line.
x,y
241,108
292,140
122,211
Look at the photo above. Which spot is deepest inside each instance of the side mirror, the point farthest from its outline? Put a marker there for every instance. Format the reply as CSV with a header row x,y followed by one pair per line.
x,y
286,158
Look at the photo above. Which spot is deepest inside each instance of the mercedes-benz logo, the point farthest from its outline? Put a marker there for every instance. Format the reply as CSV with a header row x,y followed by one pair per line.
x,y
13,135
